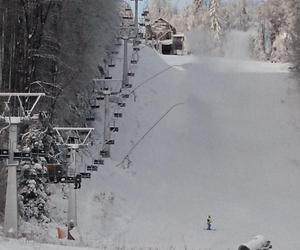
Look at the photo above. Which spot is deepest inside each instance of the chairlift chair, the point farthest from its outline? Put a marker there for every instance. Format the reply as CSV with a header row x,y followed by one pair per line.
x,y
22,156
108,77
125,96
127,9
136,49
118,115
4,154
85,175
90,118
110,142
100,98
133,61
127,17
111,65
114,129
130,73
128,86
115,52
122,104
95,106
67,179
104,154
99,162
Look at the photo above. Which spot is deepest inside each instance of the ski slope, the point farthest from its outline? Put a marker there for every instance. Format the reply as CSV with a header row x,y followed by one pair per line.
x,y
231,150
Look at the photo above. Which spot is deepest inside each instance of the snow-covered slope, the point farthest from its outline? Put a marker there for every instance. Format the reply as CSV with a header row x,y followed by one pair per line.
x,y
229,151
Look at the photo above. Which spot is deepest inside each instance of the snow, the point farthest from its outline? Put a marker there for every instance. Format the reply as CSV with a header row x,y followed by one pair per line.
x,y
231,151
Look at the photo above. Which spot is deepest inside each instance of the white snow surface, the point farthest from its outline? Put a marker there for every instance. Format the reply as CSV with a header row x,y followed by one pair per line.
x,y
231,150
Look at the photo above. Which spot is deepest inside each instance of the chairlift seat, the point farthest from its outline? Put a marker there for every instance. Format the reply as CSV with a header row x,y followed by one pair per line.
x,y
99,162
122,104
100,98
104,154
125,96
111,65
90,119
4,153
118,115
85,175
134,61
108,77
110,142
128,86
136,48
95,106
131,74
22,156
114,129
115,52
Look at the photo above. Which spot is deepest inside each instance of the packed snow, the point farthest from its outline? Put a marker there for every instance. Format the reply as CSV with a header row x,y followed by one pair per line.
x,y
229,150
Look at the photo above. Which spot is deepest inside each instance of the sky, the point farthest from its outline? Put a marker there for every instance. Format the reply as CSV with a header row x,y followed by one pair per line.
x,y
179,3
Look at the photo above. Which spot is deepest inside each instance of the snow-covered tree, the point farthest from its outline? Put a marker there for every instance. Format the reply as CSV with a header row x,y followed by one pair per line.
x,y
216,22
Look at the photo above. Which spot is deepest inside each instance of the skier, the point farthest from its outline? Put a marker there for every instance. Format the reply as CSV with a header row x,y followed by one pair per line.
x,y
209,223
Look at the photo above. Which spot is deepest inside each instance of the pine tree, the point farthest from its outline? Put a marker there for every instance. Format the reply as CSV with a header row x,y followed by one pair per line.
x,y
216,26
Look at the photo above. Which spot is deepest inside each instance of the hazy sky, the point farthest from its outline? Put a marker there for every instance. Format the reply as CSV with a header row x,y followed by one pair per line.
x,y
178,3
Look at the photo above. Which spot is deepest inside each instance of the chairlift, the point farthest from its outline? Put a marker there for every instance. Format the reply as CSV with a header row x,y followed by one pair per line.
x,y
115,52
105,154
114,129
111,65
122,104
125,96
118,115
22,156
143,14
99,162
136,49
4,154
38,152
146,12
133,61
128,9
95,106
92,168
147,19
110,142
118,44
100,98
108,77
90,118
130,73
85,175
67,179
128,86
127,17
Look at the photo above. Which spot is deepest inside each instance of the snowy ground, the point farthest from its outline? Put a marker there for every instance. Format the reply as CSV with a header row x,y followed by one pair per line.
x,y
230,151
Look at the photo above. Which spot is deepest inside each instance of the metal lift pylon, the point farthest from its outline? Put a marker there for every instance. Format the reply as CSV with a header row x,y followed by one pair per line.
x,y
11,202
73,145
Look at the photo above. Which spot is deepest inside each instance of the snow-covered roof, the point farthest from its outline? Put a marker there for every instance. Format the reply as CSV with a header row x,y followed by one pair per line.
x,y
178,35
166,42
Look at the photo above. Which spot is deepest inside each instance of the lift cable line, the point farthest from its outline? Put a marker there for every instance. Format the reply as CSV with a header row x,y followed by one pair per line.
x,y
152,77
148,131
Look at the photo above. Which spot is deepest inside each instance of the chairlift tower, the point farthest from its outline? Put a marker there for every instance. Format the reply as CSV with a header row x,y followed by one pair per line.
x,y
136,21
14,120
73,143
106,91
